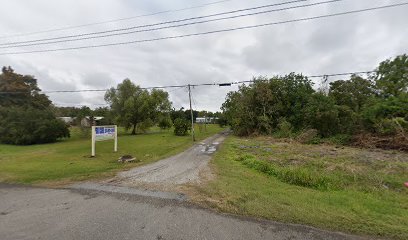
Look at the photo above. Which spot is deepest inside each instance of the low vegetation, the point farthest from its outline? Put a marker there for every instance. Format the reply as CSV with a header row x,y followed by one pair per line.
x,y
181,126
69,160
328,186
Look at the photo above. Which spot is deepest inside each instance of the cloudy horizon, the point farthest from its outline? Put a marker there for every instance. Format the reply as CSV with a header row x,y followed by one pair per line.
x,y
339,44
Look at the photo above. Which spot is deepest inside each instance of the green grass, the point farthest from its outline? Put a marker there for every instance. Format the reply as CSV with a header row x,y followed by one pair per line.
x,y
344,189
69,160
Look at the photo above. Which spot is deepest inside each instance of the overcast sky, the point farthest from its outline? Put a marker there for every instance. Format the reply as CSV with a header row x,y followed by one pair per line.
x,y
333,45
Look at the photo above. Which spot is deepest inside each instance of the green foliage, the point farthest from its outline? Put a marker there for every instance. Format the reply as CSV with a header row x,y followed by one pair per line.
x,y
137,108
165,122
285,129
367,186
391,126
183,113
379,111
26,115
351,106
391,76
23,90
295,176
258,107
353,93
181,127
222,120
25,126
339,139
308,136
67,160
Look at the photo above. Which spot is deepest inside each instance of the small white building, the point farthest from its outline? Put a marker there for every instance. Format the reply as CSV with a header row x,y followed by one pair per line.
x,y
206,120
87,121
67,120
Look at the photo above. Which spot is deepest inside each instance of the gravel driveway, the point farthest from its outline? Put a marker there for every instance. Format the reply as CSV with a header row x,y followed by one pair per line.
x,y
190,166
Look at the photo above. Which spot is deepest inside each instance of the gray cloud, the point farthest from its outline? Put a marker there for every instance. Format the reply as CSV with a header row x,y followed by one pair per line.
x,y
339,44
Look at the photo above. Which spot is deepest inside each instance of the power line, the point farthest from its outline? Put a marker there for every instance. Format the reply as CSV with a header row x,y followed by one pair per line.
x,y
114,20
163,23
210,32
177,87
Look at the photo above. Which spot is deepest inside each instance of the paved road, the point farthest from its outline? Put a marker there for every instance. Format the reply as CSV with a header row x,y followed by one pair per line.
x,y
37,213
127,207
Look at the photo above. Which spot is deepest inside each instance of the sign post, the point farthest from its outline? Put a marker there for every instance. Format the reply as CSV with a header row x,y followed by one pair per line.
x,y
102,133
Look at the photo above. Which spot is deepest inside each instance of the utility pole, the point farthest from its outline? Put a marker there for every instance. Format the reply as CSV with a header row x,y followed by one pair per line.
x,y
191,111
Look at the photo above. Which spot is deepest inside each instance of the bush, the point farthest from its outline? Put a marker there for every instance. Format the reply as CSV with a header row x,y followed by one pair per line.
x,y
340,139
181,127
25,126
285,129
307,136
391,126
165,122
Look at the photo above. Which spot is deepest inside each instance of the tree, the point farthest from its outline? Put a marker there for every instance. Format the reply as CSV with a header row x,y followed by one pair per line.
x,y
24,126
391,76
21,90
137,108
257,108
26,115
353,93
181,126
104,112
165,122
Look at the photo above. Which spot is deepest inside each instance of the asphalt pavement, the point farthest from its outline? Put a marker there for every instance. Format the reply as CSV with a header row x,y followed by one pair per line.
x,y
40,213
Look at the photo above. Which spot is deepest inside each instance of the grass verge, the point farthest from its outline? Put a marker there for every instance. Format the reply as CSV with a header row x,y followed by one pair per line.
x,y
344,189
69,160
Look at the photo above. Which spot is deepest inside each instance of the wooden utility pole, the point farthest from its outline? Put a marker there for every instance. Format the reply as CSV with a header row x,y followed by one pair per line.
x,y
192,116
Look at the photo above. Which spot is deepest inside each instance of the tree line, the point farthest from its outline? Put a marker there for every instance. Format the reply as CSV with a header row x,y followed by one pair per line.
x,y
289,105
28,116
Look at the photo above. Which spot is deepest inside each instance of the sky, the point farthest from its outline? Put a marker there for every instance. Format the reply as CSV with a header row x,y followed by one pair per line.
x,y
350,43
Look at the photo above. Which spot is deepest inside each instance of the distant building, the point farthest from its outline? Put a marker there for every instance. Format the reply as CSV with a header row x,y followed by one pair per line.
x,y
206,120
87,121
68,120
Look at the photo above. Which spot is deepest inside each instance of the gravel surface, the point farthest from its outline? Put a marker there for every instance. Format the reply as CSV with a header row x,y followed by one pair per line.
x,y
190,166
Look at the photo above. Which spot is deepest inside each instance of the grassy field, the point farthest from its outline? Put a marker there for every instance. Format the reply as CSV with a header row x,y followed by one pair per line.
x,y
69,160
337,188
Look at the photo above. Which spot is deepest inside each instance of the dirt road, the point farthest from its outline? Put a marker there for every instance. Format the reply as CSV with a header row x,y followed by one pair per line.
x,y
190,166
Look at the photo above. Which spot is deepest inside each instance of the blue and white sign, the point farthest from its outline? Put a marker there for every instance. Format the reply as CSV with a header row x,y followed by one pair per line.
x,y
102,133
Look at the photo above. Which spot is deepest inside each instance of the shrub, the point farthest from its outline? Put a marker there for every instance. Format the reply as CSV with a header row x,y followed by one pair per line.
x,y
391,126
181,127
25,126
307,136
165,122
340,139
285,129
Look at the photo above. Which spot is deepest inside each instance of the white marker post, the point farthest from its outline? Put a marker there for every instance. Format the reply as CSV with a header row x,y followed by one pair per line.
x,y
102,133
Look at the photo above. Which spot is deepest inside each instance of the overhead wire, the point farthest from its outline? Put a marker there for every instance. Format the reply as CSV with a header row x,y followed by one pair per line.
x,y
82,36
113,20
177,87
211,32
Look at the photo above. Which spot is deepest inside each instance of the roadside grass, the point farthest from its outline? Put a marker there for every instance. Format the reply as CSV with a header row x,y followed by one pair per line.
x,y
69,160
337,188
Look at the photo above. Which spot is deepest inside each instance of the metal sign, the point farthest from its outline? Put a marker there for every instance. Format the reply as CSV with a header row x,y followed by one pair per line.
x,y
102,133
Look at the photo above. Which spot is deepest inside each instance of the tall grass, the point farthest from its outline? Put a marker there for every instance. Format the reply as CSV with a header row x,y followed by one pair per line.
x,y
296,176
